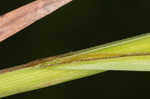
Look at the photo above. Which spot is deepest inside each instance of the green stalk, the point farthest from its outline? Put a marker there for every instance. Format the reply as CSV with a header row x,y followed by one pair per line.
x,y
132,54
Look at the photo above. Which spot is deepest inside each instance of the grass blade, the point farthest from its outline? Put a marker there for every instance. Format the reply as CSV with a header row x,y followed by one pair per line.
x,y
129,54
18,19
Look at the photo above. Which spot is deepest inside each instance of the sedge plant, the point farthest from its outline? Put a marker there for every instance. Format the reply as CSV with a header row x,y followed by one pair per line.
x,y
132,54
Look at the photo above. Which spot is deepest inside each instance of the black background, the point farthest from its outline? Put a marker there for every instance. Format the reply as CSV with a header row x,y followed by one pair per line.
x,y
78,25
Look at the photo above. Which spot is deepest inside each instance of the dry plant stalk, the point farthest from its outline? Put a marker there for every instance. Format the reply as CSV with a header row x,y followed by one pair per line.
x,y
22,17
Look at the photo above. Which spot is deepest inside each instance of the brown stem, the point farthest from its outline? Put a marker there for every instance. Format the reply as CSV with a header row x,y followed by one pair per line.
x,y
24,16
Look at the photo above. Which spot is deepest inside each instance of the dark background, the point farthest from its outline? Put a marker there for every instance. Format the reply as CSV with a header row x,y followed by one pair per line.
x,y
78,25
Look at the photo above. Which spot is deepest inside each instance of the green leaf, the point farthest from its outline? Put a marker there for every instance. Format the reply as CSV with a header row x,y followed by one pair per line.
x,y
131,54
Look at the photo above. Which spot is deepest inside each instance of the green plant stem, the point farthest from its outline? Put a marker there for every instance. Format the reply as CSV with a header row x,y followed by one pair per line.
x,y
131,54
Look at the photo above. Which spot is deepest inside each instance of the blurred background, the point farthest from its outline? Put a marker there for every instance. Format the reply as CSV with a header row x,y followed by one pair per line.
x,y
78,25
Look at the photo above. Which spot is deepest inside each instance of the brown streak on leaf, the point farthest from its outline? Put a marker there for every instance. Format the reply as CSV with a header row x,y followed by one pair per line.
x,y
82,58
92,57
30,64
